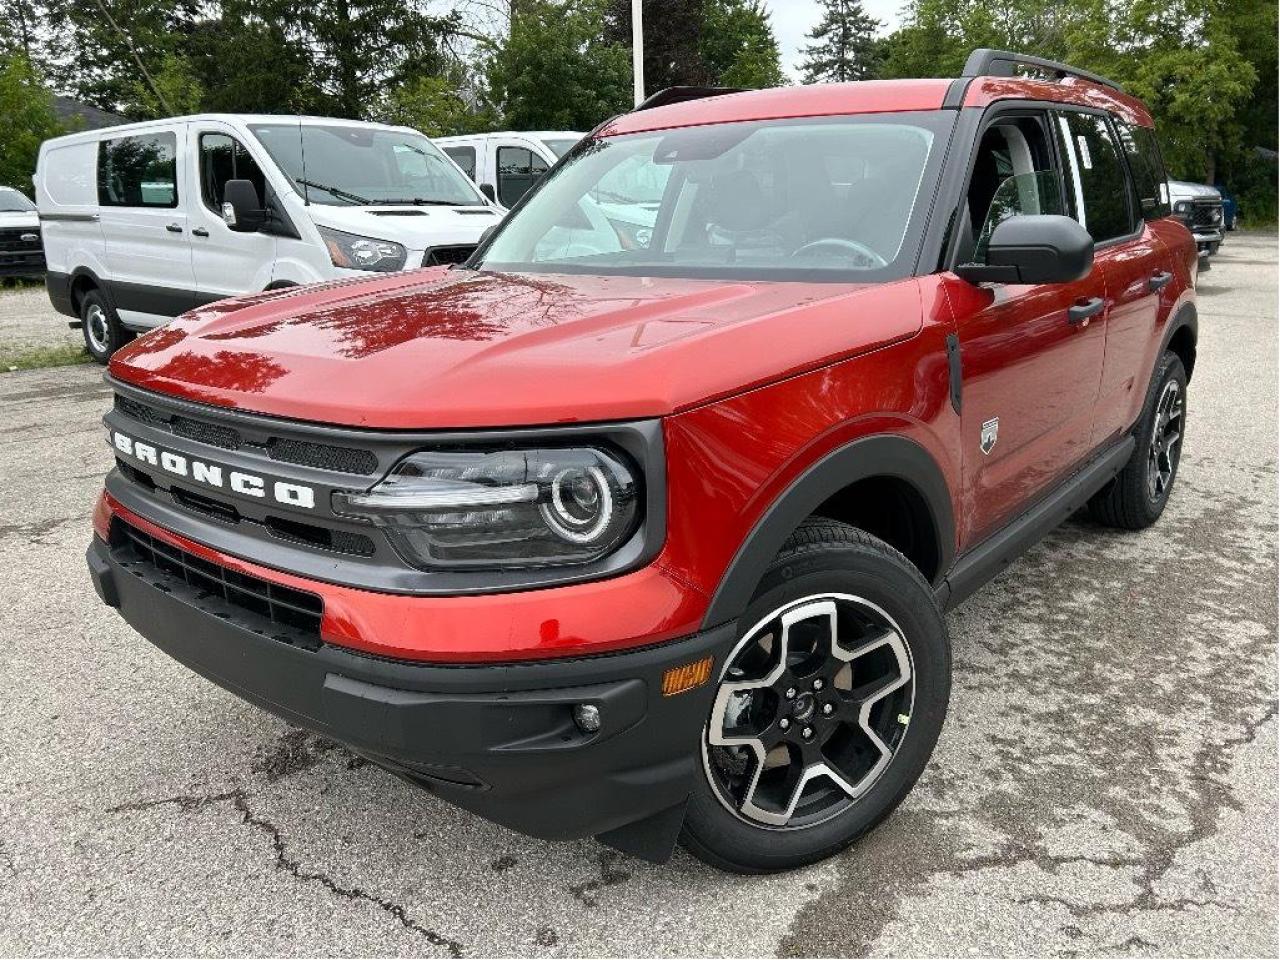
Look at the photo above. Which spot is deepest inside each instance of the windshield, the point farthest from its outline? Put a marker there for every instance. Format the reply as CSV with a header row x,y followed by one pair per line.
x,y
826,198
365,166
13,201
560,145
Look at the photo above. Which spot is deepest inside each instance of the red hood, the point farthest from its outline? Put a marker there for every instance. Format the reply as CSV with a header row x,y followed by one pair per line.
x,y
453,348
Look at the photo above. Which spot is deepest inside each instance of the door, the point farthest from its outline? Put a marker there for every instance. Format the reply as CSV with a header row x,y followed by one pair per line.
x,y
1139,276
1030,355
142,212
518,168
225,263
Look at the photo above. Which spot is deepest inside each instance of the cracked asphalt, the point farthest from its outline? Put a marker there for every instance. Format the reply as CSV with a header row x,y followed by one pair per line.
x,y
1105,785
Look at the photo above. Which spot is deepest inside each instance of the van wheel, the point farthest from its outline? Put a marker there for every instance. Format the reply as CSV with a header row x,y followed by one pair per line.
x,y
1137,496
828,707
103,334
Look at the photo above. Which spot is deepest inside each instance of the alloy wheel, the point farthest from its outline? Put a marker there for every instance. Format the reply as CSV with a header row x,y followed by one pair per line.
x,y
812,706
1166,441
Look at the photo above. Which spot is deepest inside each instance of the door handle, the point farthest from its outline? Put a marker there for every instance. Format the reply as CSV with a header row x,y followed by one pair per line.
x,y
1079,313
199,232
1158,280
173,227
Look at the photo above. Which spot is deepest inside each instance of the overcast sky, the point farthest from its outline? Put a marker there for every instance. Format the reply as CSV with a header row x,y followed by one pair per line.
x,y
792,19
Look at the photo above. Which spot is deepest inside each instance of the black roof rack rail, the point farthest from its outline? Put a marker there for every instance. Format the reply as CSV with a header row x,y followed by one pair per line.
x,y
985,62
680,94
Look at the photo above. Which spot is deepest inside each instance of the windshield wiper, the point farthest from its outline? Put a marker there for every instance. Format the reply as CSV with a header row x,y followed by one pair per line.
x,y
335,191
420,202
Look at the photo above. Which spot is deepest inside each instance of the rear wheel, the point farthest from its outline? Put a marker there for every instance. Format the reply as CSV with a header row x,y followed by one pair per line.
x,y
1137,496
103,333
828,707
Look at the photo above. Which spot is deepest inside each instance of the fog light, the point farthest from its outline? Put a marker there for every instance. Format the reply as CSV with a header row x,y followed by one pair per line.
x,y
587,717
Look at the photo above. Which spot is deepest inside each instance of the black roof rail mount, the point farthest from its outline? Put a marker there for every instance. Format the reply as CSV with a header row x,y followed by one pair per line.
x,y
680,94
985,62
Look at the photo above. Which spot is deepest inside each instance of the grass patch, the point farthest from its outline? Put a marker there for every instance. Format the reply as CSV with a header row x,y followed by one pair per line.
x,y
33,358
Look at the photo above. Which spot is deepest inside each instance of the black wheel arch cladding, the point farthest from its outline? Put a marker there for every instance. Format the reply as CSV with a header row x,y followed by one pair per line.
x,y
881,455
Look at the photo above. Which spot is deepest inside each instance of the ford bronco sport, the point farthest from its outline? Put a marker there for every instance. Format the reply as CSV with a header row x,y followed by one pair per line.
x,y
650,538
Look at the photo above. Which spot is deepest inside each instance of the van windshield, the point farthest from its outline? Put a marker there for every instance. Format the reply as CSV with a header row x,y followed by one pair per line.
x,y
12,201
365,166
812,198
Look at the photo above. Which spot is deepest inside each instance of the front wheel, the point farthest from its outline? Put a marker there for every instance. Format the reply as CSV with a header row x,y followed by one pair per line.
x,y
828,707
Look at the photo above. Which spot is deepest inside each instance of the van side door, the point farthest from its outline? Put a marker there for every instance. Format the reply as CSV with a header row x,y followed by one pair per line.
x,y
1030,355
225,263
517,166
142,210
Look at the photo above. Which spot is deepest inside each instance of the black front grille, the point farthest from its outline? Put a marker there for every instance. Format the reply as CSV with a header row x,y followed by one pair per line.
x,y
214,434
11,240
1206,213
322,456
442,255
297,612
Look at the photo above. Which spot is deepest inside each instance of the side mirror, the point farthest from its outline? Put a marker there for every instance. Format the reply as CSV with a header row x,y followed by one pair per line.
x,y
488,191
242,207
1036,248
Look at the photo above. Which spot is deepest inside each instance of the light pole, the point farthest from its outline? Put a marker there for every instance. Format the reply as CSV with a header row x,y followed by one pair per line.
x,y
637,50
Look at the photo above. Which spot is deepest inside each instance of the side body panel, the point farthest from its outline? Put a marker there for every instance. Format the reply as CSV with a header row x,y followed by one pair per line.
x,y
1030,381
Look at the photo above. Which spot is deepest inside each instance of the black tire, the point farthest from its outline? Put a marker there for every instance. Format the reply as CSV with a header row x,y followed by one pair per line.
x,y
1135,499
824,557
103,332
1214,248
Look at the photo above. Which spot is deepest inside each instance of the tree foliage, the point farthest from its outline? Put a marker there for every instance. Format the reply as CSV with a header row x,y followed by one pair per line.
x,y
27,108
1205,68
844,45
554,72
738,47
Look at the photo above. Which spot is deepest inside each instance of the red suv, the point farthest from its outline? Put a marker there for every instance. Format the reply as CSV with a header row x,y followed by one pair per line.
x,y
641,523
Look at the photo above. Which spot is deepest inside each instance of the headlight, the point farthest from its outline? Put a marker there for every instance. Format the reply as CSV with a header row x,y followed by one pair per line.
x,y
502,509
1182,206
363,253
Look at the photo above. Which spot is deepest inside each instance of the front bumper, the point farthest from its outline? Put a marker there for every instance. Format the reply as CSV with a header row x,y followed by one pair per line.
x,y
496,739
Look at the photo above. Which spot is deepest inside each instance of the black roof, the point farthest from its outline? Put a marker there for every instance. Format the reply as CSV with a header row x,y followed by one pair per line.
x,y
80,116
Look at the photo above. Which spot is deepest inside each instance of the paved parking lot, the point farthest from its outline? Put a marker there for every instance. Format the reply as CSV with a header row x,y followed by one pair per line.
x,y
1106,783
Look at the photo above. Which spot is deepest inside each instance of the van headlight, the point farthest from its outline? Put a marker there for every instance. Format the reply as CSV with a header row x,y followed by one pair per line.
x,y
502,509
363,253
1182,206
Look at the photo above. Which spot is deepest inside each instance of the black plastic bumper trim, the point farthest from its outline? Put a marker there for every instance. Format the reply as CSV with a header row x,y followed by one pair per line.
x,y
497,739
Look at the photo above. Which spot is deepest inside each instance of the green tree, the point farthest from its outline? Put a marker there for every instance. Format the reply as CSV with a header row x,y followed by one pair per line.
x,y
435,106
673,34
27,108
844,45
555,71
739,48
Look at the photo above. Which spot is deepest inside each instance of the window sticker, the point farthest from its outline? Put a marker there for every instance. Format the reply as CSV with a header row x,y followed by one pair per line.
x,y
1085,158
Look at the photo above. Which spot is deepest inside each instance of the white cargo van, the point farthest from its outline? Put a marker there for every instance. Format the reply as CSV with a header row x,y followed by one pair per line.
x,y
139,224
507,164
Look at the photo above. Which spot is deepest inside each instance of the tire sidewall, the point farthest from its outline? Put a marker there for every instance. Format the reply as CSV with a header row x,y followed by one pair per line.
x,y
891,584
1170,369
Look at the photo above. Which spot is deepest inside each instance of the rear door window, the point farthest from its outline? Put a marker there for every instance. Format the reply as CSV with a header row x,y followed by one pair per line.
x,y
1147,167
518,169
140,171
1097,176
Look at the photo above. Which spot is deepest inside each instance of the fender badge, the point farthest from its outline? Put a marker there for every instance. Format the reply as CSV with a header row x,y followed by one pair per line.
x,y
990,430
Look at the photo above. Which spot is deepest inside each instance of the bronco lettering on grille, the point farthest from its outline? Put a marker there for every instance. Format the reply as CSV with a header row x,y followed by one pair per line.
x,y
213,475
